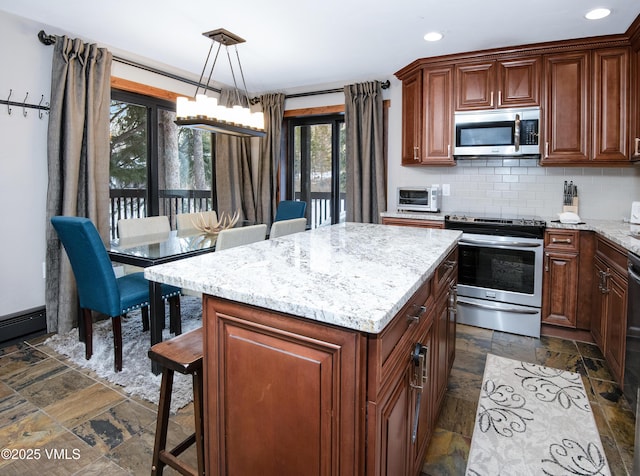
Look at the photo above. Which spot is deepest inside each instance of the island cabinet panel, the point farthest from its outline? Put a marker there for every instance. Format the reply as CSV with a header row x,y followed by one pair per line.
x,y
287,395
282,394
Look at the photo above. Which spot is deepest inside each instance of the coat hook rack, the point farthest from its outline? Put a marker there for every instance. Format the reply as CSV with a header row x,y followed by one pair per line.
x,y
24,105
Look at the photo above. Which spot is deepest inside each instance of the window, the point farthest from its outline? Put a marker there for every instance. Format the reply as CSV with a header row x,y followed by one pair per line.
x,y
316,166
156,167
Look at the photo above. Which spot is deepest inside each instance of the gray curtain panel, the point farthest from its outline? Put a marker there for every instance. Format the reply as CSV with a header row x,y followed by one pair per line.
x,y
271,147
78,161
366,168
234,183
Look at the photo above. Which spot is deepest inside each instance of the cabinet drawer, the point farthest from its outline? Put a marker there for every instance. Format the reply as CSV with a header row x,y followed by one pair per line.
x,y
565,240
614,256
445,271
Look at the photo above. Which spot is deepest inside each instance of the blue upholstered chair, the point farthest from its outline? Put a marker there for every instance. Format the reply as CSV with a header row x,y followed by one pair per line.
x,y
98,288
289,209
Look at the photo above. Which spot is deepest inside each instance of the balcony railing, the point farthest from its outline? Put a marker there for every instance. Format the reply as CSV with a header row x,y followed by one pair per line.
x,y
131,203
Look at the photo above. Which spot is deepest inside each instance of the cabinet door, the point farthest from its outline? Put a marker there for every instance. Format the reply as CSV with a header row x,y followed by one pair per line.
x,y
567,105
519,82
412,127
634,137
299,383
560,288
394,416
475,86
616,328
438,116
599,305
610,104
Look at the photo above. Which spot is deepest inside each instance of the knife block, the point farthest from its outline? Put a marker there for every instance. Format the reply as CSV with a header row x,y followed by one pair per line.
x,y
573,207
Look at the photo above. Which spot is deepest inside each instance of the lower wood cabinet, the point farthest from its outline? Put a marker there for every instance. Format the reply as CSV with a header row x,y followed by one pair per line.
x,y
285,395
560,279
609,325
413,222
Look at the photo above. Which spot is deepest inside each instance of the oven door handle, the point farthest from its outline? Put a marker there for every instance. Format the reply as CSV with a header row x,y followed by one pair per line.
x,y
462,300
501,244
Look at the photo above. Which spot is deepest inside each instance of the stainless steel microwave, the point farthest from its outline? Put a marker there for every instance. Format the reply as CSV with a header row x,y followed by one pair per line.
x,y
419,199
497,132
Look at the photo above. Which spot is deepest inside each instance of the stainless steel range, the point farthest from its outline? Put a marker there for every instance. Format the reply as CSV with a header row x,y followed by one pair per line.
x,y
500,272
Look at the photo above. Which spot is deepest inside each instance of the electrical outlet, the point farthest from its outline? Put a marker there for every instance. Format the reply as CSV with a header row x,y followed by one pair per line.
x,y
44,270
446,189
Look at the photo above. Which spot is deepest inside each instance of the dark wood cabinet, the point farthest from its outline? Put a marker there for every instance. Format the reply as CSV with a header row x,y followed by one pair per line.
x,y
634,137
413,222
427,117
609,323
285,395
586,97
498,84
567,104
560,279
610,105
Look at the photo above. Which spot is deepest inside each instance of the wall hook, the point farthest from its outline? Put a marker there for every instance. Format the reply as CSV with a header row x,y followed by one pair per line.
x,y
24,105
40,105
9,108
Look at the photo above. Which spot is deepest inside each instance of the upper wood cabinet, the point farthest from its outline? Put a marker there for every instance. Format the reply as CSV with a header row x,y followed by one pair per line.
x,y
586,99
610,104
427,117
498,84
634,145
566,112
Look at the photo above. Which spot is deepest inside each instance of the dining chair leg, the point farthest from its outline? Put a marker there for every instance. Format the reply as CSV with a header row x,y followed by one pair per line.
x,y
116,323
88,333
175,322
145,318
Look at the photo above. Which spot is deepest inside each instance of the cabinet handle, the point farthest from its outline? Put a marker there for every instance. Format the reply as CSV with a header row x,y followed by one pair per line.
x,y
637,151
450,264
420,312
546,150
546,262
449,149
453,301
491,102
416,153
564,240
420,358
499,98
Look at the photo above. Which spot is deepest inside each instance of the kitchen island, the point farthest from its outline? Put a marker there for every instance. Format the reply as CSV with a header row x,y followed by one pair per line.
x,y
326,352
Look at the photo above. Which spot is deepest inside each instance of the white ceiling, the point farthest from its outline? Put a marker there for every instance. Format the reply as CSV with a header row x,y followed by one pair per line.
x,y
297,45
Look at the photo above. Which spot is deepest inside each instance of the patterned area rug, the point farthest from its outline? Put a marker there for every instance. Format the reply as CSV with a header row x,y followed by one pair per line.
x,y
531,420
135,377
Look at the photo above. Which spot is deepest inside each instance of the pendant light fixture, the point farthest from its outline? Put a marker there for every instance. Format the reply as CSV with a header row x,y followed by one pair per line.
x,y
203,112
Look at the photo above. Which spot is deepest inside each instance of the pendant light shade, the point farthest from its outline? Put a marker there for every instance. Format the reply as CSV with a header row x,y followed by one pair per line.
x,y
204,112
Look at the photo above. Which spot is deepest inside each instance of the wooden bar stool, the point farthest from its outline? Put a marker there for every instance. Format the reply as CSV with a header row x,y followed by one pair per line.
x,y
182,354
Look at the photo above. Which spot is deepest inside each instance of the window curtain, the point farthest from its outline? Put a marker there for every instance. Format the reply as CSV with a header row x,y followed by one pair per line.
x,y
267,191
78,161
366,168
234,183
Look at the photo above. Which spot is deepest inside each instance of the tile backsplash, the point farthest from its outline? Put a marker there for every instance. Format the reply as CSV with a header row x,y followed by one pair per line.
x,y
504,187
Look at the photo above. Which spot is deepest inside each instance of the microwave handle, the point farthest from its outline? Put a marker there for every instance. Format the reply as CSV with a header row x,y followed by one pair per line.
x,y
516,133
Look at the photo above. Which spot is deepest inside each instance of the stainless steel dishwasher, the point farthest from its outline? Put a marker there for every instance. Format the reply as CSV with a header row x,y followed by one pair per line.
x,y
632,353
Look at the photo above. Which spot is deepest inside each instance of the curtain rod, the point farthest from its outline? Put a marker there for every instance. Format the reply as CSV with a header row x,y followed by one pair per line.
x,y
51,39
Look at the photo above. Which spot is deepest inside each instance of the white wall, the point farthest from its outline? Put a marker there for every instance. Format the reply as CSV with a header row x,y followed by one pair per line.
x,y
26,67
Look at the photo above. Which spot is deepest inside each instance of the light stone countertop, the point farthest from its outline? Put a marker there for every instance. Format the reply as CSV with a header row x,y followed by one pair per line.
x,y
351,275
615,230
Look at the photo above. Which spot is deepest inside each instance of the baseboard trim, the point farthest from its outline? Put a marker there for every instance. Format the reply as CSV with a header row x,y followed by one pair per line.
x,y
22,326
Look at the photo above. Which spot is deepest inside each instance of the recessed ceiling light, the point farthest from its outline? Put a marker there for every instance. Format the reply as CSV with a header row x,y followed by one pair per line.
x,y
597,13
433,36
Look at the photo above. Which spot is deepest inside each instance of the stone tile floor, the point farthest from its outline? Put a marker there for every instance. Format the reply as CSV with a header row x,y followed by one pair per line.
x,y
449,447
65,420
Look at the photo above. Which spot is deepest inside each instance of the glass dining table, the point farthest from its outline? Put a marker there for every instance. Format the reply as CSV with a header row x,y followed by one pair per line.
x,y
150,250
